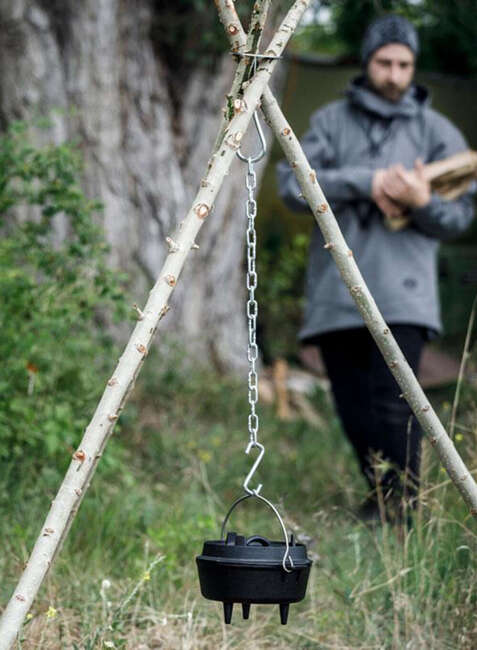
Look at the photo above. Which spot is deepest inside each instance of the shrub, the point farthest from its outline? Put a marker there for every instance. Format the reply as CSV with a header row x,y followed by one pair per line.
x,y
55,292
280,296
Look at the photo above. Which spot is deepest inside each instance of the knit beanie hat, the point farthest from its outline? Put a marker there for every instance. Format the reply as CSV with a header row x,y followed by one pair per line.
x,y
385,30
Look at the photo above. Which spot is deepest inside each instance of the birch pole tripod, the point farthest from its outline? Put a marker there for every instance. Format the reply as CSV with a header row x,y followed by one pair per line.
x,y
241,106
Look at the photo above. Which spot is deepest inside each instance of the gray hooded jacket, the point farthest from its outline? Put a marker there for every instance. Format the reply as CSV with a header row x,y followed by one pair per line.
x,y
347,141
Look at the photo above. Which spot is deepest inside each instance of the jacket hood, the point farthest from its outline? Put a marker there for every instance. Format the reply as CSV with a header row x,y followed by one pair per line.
x,y
411,103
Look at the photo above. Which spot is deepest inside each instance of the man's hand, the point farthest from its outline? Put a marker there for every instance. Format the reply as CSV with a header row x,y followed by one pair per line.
x,y
410,188
385,203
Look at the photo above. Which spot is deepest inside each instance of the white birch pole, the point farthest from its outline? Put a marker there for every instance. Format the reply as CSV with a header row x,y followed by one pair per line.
x,y
121,383
343,257
240,44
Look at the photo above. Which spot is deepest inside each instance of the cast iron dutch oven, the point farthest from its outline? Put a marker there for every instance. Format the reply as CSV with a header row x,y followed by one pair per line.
x,y
253,570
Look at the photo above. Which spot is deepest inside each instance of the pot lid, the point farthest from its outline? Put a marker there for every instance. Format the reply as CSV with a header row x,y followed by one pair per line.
x,y
252,550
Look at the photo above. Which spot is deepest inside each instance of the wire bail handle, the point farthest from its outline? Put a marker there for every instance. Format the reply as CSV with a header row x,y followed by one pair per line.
x,y
286,556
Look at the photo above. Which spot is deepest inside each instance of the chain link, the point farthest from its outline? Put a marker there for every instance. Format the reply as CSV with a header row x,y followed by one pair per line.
x,y
252,306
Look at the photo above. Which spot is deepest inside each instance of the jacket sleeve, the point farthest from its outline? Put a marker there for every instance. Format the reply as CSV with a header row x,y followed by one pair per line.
x,y
444,219
440,218
338,184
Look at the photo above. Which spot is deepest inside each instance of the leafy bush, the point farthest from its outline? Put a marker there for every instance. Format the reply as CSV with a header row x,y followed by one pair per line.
x,y
52,286
280,295
447,30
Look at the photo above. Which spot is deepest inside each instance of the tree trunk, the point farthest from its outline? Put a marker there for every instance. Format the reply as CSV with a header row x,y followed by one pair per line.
x,y
94,68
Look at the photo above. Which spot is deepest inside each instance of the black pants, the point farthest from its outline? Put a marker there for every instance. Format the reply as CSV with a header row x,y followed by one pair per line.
x,y
376,421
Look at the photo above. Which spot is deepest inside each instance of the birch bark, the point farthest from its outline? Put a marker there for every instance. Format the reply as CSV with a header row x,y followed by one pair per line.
x,y
243,44
121,383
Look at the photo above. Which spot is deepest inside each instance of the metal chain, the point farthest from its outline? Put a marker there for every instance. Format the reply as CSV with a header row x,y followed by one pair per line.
x,y
252,351
252,306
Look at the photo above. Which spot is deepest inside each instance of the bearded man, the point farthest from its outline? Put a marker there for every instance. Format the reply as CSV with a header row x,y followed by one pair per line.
x,y
368,151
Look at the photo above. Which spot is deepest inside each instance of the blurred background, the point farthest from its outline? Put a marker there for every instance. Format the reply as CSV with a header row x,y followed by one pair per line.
x,y
108,114
324,57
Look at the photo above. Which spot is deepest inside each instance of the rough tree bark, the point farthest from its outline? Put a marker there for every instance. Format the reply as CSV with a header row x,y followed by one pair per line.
x,y
96,63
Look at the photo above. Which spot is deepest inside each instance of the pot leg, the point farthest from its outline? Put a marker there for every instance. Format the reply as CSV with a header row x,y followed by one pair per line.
x,y
246,610
228,607
284,607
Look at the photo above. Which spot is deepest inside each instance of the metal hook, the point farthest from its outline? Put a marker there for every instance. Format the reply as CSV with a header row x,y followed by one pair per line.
x,y
263,143
257,462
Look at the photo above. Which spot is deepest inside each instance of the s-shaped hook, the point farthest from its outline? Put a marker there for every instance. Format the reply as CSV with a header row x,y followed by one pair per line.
x,y
258,460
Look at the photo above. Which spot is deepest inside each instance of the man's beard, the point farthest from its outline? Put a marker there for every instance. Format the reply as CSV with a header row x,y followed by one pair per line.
x,y
390,91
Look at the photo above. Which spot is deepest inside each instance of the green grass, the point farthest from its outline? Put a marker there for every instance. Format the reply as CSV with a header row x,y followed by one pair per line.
x,y
182,461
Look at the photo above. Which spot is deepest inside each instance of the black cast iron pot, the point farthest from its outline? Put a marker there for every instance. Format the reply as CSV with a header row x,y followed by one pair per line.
x,y
253,570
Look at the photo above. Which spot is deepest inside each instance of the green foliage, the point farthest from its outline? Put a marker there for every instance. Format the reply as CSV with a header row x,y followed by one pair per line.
x,y
176,27
185,528
188,33
280,295
448,33
52,285
369,587
447,30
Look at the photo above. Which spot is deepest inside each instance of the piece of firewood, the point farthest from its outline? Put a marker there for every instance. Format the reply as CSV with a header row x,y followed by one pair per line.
x,y
449,177
280,374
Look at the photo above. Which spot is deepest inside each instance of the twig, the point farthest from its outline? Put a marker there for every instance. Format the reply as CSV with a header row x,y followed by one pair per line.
x,y
388,582
463,361
146,576
424,493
